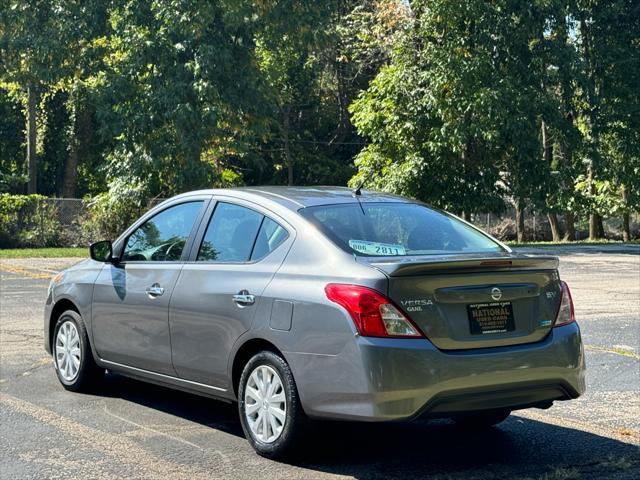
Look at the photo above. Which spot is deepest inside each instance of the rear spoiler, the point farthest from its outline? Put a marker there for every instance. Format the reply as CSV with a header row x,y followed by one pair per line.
x,y
410,266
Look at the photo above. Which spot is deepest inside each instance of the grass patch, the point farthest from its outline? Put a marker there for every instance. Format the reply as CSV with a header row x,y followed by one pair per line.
x,y
44,252
578,243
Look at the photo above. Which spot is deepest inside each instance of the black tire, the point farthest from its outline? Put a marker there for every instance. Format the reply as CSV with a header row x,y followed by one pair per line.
x,y
88,374
295,419
482,420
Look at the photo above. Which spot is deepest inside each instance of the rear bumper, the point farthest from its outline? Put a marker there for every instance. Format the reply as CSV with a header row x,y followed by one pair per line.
x,y
399,379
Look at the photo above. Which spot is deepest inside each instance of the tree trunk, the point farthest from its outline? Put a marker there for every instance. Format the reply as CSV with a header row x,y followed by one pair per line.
x,y
79,148
547,145
71,170
344,118
520,221
569,226
556,234
567,95
32,165
591,97
600,227
548,158
594,231
626,228
466,216
287,152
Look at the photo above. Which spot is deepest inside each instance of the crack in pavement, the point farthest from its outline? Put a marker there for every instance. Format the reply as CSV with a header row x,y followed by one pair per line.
x,y
43,362
224,458
18,333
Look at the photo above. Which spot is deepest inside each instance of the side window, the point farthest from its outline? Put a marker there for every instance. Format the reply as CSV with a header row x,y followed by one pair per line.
x,y
239,234
163,236
230,234
270,236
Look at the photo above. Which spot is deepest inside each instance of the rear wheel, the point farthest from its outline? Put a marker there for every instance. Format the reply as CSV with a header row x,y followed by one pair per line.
x,y
72,357
482,420
270,411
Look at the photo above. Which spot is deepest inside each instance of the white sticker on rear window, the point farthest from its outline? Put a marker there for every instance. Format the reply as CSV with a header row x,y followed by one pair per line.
x,y
375,248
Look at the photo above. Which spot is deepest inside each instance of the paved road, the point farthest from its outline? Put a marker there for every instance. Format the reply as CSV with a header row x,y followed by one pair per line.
x,y
129,429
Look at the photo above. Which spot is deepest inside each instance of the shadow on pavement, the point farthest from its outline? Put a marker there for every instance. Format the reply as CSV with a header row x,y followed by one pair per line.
x,y
517,448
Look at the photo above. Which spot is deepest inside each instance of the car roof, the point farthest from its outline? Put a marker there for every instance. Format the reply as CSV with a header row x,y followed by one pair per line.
x,y
295,198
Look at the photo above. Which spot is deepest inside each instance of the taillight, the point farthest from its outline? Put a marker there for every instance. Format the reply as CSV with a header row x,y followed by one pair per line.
x,y
373,314
565,314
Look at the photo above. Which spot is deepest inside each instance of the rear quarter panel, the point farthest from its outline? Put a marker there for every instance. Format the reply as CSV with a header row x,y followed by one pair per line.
x,y
320,347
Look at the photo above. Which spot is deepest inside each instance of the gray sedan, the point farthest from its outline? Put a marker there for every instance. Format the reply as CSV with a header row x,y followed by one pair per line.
x,y
312,303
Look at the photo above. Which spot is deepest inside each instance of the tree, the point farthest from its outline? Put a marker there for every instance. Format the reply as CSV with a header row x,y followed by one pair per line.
x,y
33,48
309,80
178,90
470,106
451,117
609,36
561,77
12,179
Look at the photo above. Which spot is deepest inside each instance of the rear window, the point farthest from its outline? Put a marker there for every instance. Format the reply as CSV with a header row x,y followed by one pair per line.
x,y
389,229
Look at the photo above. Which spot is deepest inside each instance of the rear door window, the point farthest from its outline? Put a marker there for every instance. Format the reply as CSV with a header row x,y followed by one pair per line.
x,y
396,229
239,234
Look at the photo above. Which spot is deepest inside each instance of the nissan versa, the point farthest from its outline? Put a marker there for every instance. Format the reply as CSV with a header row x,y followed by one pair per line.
x,y
318,303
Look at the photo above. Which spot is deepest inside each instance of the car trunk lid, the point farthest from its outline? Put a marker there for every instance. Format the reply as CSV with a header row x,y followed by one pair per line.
x,y
463,302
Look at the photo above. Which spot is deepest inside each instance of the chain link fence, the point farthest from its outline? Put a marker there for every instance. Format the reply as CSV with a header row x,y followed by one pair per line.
x,y
538,228
67,211
70,212
76,221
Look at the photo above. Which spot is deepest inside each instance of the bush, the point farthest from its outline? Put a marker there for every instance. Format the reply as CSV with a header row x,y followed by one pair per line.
x,y
27,221
12,182
110,213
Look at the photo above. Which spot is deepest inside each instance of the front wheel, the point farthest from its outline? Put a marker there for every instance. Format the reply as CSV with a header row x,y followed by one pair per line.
x,y
270,411
72,357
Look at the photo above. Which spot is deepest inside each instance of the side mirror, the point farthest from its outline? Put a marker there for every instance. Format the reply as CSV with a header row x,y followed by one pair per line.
x,y
101,251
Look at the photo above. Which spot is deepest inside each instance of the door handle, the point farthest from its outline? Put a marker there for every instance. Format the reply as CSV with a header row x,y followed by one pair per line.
x,y
244,298
154,290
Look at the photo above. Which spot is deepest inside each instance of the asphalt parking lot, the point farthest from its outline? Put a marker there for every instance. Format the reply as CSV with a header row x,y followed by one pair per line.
x,y
128,429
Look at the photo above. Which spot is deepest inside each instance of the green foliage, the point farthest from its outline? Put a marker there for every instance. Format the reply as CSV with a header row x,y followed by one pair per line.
x,y
179,86
27,221
55,141
110,213
304,134
479,102
466,105
440,116
12,182
11,140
